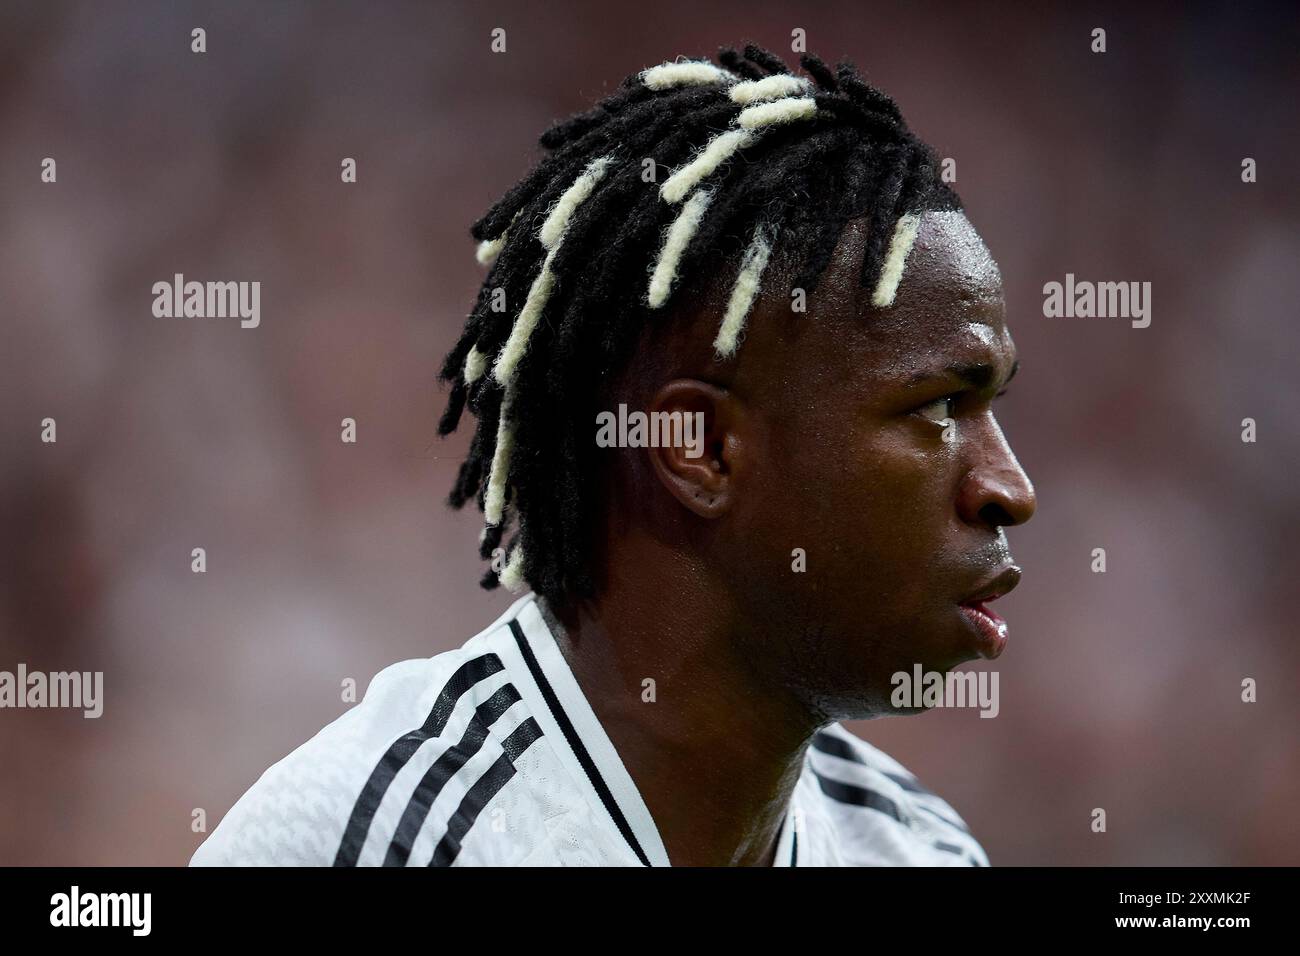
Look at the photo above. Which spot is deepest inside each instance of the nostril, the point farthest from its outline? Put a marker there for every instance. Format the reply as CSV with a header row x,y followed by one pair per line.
x,y
997,516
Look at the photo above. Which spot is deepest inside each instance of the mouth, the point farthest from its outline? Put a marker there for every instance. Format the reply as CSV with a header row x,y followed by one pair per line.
x,y
990,628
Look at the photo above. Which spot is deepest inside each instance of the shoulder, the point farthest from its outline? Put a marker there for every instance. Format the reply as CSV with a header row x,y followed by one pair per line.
x,y
316,804
879,811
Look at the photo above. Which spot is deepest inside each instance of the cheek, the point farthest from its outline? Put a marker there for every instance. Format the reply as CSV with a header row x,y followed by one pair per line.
x,y
899,481
872,503
897,503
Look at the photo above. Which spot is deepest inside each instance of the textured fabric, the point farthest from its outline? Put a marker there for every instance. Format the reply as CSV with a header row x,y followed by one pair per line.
x,y
490,755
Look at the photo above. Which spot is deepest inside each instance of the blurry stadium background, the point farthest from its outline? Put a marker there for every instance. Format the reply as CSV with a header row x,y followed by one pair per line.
x,y
326,560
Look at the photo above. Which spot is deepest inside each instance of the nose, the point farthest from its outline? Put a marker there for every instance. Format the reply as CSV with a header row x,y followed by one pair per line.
x,y
995,492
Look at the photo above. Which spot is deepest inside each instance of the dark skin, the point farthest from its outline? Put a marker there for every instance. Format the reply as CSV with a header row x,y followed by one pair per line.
x,y
822,433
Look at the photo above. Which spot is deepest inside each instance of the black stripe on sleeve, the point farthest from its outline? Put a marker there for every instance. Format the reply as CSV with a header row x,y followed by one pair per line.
x,y
579,749
859,797
443,769
401,750
862,797
838,747
484,789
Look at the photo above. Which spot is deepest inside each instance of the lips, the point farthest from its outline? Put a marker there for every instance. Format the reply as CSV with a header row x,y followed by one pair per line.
x,y
1001,583
989,626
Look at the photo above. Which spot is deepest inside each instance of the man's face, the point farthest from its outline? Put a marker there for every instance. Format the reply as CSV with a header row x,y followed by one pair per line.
x,y
876,451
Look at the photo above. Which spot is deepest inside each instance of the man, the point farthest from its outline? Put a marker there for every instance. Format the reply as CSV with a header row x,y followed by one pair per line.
x,y
776,259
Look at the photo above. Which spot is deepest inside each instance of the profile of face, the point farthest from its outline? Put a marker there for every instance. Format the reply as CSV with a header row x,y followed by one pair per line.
x,y
861,485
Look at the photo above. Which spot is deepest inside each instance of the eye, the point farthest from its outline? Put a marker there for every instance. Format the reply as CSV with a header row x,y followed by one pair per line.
x,y
939,409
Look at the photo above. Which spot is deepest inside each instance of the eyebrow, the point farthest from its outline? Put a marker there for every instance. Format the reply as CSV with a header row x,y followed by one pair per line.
x,y
976,375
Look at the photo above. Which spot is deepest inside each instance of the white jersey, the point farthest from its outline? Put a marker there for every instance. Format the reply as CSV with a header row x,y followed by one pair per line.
x,y
490,755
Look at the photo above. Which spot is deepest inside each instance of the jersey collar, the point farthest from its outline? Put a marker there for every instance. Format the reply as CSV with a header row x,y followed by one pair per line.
x,y
545,681
543,678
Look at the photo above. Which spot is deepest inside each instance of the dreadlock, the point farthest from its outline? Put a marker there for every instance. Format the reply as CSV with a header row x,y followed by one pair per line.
x,y
583,254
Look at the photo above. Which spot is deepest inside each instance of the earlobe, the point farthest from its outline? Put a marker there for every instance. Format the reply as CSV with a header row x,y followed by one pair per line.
x,y
698,459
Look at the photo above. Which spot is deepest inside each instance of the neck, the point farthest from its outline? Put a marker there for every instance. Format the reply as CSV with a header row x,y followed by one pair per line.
x,y
714,749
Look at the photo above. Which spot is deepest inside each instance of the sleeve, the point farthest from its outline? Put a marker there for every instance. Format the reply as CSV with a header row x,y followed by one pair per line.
x,y
883,813
297,811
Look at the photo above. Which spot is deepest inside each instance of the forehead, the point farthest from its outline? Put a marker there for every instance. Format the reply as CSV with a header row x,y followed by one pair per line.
x,y
949,260
949,304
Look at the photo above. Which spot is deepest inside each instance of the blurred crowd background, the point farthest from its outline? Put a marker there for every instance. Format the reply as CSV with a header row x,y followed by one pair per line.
x,y
327,560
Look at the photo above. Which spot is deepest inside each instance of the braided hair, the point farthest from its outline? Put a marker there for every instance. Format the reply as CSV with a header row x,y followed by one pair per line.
x,y
588,249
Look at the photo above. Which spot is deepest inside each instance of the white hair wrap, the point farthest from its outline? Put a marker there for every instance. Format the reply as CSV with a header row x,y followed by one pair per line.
x,y
742,294
505,516
685,73
783,108
778,111
475,365
557,221
538,295
892,271
768,88
717,151
489,249
675,241
512,575
550,235
723,146
494,498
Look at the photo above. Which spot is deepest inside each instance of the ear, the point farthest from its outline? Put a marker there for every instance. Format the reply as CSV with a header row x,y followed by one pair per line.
x,y
703,463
